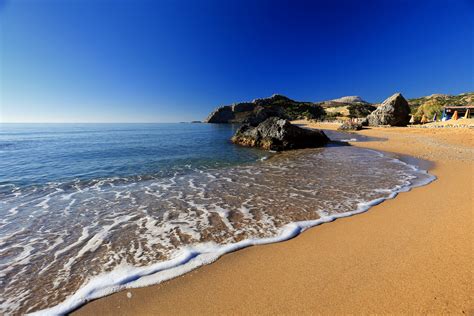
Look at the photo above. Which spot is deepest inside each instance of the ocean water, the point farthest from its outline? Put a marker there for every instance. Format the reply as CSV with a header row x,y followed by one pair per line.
x,y
86,210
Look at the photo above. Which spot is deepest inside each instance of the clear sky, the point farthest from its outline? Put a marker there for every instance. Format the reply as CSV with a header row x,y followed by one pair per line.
x,y
165,61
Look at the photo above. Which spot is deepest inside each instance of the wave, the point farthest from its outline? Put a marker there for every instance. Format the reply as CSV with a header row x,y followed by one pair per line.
x,y
190,257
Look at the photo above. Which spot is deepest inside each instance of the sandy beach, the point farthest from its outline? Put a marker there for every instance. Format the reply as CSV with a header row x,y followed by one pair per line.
x,y
409,255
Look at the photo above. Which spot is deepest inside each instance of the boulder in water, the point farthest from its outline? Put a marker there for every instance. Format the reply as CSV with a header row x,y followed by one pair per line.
x,y
278,134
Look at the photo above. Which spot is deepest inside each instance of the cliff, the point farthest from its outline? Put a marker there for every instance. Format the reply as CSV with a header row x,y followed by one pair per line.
x,y
283,106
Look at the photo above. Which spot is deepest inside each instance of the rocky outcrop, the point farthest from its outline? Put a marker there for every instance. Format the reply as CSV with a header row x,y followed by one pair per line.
x,y
245,112
223,114
260,109
394,111
261,113
350,126
278,134
243,107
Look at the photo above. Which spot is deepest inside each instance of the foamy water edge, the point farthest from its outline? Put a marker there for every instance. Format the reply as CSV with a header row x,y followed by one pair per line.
x,y
192,257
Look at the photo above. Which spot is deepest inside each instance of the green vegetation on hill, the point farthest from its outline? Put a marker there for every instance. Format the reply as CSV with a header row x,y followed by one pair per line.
x,y
292,109
432,104
276,105
346,107
304,110
360,110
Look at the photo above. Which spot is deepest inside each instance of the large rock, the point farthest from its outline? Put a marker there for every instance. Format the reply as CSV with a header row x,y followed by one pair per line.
x,y
278,134
394,111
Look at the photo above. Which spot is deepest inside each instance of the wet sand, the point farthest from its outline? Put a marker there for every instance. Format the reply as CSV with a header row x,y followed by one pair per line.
x,y
411,254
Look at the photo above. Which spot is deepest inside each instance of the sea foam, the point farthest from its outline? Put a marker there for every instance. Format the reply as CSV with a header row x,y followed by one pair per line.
x,y
92,238
126,276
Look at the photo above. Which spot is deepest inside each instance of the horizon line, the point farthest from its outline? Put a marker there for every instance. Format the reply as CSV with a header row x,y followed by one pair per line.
x,y
118,122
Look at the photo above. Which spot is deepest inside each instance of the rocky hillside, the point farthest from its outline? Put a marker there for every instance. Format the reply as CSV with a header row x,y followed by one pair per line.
x,y
280,105
341,108
350,106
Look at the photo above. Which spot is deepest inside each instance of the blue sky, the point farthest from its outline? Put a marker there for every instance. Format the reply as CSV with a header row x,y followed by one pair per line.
x,y
169,61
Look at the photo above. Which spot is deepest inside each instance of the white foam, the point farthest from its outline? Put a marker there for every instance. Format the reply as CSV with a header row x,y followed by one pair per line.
x,y
224,215
348,140
84,235
125,276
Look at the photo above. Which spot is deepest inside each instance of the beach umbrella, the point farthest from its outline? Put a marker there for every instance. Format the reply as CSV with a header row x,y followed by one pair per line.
x,y
444,117
424,119
455,115
468,114
435,116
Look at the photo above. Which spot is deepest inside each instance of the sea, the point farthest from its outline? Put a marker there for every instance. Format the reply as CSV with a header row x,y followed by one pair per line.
x,y
90,209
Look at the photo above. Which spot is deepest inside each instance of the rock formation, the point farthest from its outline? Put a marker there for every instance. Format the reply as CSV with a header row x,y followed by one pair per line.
x,y
278,134
394,111
350,126
260,109
261,113
223,114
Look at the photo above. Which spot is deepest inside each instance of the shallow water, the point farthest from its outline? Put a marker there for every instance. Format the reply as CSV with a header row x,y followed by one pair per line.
x,y
56,236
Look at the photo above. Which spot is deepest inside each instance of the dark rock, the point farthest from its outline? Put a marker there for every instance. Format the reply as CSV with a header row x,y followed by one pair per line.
x,y
243,107
261,113
350,126
394,111
278,134
258,110
223,114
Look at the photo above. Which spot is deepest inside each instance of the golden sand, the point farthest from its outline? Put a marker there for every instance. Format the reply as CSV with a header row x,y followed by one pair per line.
x,y
411,254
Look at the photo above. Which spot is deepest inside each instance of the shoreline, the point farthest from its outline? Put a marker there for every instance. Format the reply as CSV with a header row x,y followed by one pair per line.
x,y
194,257
183,289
